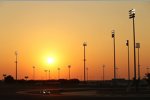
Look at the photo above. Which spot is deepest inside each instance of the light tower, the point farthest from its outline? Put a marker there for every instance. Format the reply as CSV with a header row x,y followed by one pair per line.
x,y
113,36
33,72
103,72
127,44
69,66
138,47
58,73
87,73
132,16
147,68
49,74
84,45
16,54
46,74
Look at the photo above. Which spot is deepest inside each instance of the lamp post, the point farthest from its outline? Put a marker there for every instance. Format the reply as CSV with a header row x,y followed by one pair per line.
x,y
138,47
58,73
16,54
87,73
4,75
84,44
69,66
127,44
147,69
33,72
117,70
49,74
46,73
103,72
113,36
132,16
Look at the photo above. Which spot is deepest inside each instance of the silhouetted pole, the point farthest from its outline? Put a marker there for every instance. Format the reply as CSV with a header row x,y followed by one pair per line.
x,y
84,44
117,72
127,44
58,73
69,66
147,69
113,36
132,15
103,73
138,47
33,72
87,73
46,73
4,75
49,74
16,64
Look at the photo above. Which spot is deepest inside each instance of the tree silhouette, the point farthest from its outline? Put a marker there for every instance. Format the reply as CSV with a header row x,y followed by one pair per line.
x,y
148,78
26,77
9,79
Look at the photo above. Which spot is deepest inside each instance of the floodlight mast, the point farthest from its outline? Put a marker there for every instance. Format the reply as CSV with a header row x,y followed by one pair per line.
x,y
16,54
138,47
33,72
84,44
69,66
113,36
127,44
132,16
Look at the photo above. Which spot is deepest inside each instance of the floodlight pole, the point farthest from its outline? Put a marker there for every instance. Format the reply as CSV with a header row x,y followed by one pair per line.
x,y
127,44
132,15
87,73
103,73
113,36
16,63
69,66
138,47
33,72
58,73
147,69
46,73
49,74
84,44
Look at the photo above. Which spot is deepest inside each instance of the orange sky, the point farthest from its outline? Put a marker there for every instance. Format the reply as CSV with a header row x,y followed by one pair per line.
x,y
42,29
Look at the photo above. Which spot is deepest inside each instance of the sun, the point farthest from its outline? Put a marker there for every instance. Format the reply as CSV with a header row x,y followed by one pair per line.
x,y
50,60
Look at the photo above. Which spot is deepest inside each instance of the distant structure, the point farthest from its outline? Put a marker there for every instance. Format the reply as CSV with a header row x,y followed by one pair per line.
x,y
16,54
103,72
58,73
113,36
127,44
147,68
84,45
4,75
45,73
33,72
87,69
26,77
138,47
132,16
69,66
49,74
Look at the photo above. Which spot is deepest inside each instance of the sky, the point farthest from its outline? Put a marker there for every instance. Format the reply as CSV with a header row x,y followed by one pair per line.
x,y
39,30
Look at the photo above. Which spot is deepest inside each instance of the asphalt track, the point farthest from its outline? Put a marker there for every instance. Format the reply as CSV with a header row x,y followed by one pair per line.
x,y
16,96
77,95
28,93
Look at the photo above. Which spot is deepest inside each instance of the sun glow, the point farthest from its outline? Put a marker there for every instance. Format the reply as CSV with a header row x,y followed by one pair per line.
x,y
50,60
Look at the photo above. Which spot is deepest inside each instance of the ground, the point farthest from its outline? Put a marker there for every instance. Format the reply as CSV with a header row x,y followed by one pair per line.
x,y
32,92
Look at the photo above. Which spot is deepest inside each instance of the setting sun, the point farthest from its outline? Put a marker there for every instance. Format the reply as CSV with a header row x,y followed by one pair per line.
x,y
50,60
